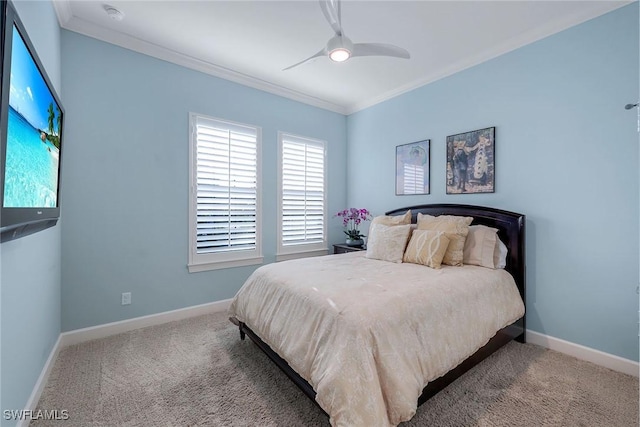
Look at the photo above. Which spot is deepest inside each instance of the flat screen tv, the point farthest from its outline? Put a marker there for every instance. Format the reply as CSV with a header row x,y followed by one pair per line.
x,y
31,118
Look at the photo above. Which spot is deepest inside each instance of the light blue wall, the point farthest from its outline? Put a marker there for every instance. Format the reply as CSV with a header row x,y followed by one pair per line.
x,y
125,178
30,274
566,156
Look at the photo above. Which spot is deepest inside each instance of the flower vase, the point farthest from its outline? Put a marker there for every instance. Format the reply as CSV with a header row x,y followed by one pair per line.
x,y
354,242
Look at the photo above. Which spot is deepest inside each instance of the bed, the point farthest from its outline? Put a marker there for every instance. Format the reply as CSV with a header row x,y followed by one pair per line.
x,y
368,349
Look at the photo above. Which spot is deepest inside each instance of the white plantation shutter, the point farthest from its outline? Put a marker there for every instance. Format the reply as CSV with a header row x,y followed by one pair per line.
x,y
225,194
302,195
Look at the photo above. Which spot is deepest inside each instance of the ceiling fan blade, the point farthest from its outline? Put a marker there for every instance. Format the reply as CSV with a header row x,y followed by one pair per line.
x,y
322,52
379,49
331,11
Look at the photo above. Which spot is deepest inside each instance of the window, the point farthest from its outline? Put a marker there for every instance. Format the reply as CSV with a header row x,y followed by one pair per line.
x,y
302,197
224,196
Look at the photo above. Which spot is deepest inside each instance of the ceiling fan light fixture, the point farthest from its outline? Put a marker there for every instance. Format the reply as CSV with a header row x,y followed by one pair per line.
x,y
340,48
339,55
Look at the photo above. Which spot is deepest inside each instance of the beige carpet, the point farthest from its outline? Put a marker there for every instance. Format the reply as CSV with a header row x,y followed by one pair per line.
x,y
197,372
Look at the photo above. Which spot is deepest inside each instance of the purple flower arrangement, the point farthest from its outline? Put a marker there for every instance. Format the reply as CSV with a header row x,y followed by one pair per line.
x,y
351,218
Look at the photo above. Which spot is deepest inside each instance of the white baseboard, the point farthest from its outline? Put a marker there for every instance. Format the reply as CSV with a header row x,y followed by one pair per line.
x,y
94,332
101,331
77,336
38,388
581,352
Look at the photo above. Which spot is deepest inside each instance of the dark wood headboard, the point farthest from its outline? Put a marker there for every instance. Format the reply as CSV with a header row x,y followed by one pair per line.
x,y
510,225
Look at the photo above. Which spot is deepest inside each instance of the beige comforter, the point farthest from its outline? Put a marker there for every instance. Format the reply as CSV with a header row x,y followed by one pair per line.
x,y
369,335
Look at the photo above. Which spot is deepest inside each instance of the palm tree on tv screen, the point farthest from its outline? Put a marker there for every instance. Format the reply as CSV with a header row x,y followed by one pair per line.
x,y
55,140
52,116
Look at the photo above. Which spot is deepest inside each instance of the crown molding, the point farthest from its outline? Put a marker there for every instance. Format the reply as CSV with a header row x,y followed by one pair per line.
x,y
63,11
70,22
508,46
126,41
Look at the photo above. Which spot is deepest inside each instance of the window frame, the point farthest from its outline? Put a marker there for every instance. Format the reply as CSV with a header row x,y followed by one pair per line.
x,y
300,250
228,259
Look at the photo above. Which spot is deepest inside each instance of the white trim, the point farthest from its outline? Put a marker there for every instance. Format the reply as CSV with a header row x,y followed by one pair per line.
x,y
87,334
144,47
486,55
63,12
70,22
208,266
304,254
224,259
38,388
294,251
581,352
95,332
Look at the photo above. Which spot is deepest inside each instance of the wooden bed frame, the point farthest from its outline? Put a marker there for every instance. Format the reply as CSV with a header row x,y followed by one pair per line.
x,y
511,230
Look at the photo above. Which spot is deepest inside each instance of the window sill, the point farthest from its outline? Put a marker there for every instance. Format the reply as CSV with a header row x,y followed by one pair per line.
x,y
207,266
301,254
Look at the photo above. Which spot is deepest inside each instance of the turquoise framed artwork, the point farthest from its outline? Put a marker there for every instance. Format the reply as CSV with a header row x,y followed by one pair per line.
x,y
412,168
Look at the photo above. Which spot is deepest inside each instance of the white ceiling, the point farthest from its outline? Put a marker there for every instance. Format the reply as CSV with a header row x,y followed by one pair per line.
x,y
250,42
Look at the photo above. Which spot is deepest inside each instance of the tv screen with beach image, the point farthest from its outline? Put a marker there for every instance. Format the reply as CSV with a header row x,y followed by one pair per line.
x,y
33,135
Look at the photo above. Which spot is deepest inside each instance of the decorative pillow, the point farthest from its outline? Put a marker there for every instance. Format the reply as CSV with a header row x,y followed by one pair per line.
x,y
480,246
455,228
426,247
387,243
393,219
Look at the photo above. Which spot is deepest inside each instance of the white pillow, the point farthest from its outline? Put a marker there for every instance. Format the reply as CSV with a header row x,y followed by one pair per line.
x,y
387,242
500,255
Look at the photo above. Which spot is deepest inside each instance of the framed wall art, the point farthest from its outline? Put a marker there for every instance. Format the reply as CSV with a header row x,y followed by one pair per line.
x,y
412,168
471,162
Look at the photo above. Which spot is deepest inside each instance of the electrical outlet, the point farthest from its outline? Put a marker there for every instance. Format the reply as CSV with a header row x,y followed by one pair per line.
x,y
126,298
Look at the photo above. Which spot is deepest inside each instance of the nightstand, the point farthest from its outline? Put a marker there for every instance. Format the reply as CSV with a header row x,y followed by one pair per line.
x,y
343,249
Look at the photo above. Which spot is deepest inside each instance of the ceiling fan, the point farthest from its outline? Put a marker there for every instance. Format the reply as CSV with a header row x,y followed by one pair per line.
x,y
340,48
